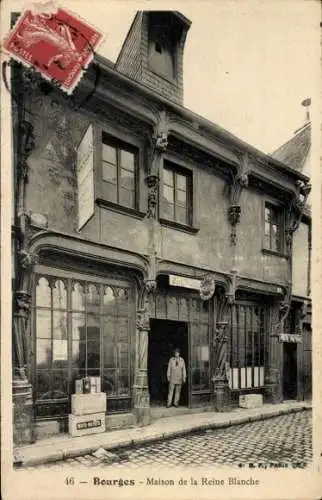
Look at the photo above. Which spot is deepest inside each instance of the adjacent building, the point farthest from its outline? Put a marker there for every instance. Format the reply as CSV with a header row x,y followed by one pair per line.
x,y
138,227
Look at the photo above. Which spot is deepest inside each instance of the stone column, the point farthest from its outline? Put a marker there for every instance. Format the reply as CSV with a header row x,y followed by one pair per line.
x,y
141,388
21,387
221,390
24,82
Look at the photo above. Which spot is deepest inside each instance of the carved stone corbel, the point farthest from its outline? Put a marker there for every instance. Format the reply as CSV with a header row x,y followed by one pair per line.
x,y
153,185
239,182
295,211
281,312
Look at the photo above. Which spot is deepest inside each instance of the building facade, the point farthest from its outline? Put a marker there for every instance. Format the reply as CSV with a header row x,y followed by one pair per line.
x,y
297,153
138,227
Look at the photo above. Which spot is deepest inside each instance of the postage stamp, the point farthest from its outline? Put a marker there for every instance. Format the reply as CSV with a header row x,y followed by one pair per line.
x,y
57,43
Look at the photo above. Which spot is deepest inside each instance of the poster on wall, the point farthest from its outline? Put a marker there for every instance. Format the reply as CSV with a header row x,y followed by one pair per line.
x,y
85,178
60,352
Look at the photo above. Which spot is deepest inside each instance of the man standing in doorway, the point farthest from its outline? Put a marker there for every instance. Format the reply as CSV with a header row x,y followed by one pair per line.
x,y
176,375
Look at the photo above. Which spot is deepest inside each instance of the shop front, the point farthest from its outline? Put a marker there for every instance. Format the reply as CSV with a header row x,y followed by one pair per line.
x,y
179,318
82,325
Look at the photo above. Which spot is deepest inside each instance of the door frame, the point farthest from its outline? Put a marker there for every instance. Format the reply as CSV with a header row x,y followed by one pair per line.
x,y
296,391
187,361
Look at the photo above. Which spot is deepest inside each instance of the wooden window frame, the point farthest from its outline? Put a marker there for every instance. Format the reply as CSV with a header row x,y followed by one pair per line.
x,y
130,143
240,332
181,168
280,213
120,146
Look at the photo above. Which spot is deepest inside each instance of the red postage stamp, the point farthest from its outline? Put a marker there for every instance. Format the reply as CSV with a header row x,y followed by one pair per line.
x,y
58,44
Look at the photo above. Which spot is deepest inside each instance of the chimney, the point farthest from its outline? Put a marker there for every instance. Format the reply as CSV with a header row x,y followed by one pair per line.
x,y
152,52
307,103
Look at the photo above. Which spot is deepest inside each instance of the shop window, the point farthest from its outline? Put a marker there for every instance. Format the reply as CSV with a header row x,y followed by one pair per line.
x,y
177,195
82,329
200,351
116,344
273,233
51,340
119,172
247,349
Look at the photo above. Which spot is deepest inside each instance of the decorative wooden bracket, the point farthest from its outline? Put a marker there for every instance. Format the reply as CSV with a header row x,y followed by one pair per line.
x,y
239,182
156,145
295,212
282,312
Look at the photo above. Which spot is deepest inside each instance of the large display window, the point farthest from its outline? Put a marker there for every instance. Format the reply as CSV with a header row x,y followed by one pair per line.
x,y
81,327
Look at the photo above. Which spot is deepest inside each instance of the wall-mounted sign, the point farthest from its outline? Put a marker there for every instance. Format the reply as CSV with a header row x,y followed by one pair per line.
x,y
85,178
184,282
290,337
207,287
89,424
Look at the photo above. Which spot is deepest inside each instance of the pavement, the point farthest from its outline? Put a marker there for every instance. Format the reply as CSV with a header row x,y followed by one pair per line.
x,y
67,450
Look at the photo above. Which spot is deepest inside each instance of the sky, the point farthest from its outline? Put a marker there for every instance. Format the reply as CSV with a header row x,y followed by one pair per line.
x,y
248,64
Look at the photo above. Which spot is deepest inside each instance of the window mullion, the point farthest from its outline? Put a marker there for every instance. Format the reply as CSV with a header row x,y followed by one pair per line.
x,y
175,194
101,323
85,290
118,173
69,335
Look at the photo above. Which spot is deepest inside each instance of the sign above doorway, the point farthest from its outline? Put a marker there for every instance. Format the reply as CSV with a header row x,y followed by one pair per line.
x,y
290,337
184,282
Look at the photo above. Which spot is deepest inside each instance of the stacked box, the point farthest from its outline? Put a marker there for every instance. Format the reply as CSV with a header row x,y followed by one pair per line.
x,y
79,386
95,383
251,401
88,414
85,404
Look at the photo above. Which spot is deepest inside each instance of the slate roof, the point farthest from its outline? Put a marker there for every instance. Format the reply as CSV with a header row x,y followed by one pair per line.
x,y
295,151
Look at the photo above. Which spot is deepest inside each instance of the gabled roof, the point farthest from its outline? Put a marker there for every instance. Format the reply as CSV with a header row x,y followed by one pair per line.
x,y
295,151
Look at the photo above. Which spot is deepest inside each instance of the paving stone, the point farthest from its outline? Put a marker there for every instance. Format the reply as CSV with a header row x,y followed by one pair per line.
x,y
283,441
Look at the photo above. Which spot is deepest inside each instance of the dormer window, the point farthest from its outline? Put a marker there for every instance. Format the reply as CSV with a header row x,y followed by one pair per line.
x,y
162,58
164,34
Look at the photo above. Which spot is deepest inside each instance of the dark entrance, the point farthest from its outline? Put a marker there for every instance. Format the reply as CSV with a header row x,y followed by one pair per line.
x,y
290,371
164,337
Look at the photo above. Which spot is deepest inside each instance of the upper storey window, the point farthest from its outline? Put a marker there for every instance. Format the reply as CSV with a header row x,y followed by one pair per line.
x,y
273,228
177,204
119,172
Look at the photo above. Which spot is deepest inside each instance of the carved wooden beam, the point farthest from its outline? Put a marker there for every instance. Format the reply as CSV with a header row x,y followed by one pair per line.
x,y
280,313
295,211
156,145
239,182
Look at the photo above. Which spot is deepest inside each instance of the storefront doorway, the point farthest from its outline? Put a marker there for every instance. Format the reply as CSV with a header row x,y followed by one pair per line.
x,y
290,371
164,337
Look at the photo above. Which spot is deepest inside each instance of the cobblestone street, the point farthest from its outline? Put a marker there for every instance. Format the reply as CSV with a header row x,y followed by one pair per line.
x,y
284,441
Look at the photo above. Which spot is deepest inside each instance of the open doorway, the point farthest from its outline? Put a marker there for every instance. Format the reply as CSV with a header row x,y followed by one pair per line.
x,y
290,371
164,337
